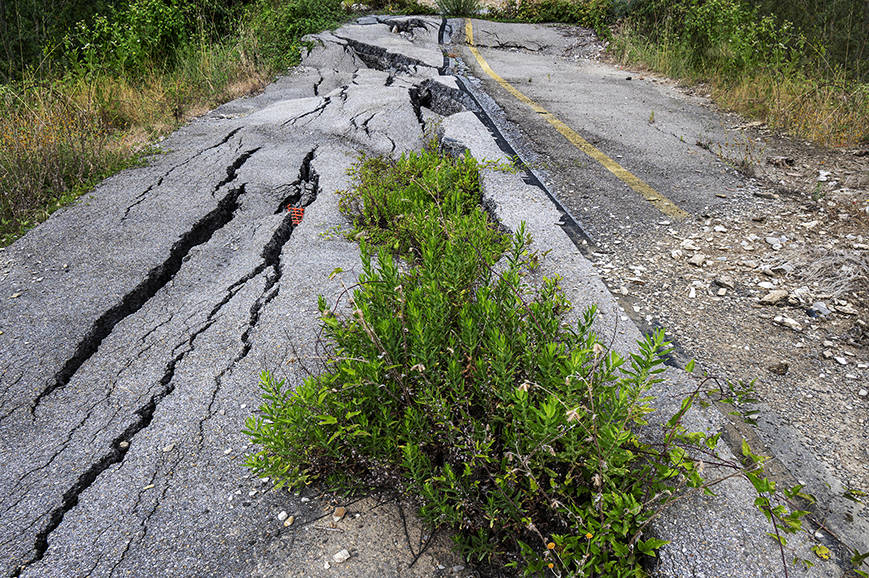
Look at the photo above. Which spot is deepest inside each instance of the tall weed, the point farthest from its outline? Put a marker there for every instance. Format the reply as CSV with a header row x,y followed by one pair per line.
x,y
755,65
51,145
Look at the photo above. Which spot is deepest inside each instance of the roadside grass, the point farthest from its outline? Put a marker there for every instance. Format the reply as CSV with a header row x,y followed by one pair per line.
x,y
65,125
595,14
771,75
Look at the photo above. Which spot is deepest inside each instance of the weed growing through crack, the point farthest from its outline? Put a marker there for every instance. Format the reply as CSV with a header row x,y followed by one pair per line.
x,y
456,379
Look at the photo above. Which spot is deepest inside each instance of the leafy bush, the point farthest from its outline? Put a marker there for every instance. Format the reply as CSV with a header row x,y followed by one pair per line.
x,y
462,385
131,39
596,14
398,203
273,29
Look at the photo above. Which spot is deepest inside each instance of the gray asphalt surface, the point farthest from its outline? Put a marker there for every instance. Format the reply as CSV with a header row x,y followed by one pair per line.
x,y
135,324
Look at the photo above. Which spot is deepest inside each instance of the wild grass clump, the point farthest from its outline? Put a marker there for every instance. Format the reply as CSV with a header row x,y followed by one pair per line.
x,y
758,63
459,7
595,14
51,146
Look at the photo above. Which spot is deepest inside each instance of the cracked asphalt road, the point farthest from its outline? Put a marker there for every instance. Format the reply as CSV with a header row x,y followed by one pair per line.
x,y
136,321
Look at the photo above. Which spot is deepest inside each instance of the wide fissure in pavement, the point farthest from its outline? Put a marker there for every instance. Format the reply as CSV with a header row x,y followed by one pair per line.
x,y
156,279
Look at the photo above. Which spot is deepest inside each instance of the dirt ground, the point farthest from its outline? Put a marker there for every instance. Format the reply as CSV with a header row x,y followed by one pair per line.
x,y
771,286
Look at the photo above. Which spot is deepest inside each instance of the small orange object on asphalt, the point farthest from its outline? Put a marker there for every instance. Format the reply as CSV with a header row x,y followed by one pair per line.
x,y
296,214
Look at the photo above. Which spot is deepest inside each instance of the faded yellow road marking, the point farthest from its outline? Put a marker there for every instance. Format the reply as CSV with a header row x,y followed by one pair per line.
x,y
661,202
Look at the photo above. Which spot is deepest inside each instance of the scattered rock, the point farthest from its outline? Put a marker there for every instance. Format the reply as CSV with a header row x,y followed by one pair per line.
x,y
783,269
818,309
338,514
847,309
781,162
341,557
689,245
697,259
788,322
774,242
765,195
863,392
841,360
289,521
774,297
724,281
282,516
779,369
169,448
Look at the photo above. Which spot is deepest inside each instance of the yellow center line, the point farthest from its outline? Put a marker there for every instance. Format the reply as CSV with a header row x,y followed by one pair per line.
x,y
661,202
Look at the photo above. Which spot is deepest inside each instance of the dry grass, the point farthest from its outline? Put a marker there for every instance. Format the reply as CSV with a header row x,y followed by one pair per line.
x,y
814,106
828,113
57,138
51,143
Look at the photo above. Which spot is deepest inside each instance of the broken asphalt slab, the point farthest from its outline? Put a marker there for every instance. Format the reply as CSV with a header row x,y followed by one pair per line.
x,y
135,324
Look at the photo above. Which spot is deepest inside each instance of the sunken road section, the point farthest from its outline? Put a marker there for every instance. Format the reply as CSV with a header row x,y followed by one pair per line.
x,y
135,324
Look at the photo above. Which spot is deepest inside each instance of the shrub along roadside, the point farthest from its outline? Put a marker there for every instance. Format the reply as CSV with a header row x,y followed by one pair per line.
x,y
456,380
759,64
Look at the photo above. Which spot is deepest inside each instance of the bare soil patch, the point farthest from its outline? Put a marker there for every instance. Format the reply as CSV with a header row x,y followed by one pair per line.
x,y
773,286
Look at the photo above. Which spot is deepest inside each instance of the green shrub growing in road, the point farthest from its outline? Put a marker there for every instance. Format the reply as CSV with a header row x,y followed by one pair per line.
x,y
398,203
464,385
457,381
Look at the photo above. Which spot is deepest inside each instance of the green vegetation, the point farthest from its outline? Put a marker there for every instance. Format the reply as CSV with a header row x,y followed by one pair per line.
x,y
802,69
463,384
459,7
86,88
595,14
456,380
